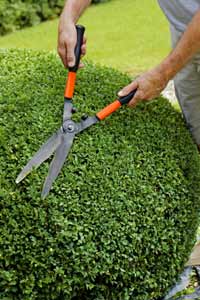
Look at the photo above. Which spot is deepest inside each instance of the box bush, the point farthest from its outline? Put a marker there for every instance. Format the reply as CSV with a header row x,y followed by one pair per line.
x,y
19,13
121,218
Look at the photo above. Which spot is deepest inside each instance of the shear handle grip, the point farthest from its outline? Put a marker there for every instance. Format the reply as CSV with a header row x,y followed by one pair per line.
x,y
111,108
80,33
126,99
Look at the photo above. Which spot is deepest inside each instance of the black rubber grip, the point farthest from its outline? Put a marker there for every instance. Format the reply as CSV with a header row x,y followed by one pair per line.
x,y
126,99
80,33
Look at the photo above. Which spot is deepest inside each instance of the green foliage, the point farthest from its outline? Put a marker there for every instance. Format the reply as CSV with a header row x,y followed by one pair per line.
x,y
121,218
16,14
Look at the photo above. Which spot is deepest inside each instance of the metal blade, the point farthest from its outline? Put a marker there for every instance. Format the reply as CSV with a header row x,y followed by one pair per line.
x,y
84,124
41,155
57,162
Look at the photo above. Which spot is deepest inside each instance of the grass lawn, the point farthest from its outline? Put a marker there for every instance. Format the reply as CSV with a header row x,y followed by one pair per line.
x,y
131,35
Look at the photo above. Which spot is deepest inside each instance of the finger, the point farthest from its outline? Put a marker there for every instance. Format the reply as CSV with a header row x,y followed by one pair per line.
x,y
84,39
137,98
81,65
83,49
63,55
133,103
129,88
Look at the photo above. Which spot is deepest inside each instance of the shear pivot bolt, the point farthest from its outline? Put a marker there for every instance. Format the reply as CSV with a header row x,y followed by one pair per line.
x,y
70,127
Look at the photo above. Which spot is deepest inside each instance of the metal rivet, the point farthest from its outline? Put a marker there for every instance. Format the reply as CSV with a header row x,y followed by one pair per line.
x,y
84,117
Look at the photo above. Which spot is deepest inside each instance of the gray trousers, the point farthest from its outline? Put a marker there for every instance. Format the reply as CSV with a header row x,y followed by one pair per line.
x,y
187,88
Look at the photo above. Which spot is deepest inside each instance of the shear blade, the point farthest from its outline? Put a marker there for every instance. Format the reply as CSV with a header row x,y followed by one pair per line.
x,y
41,155
57,162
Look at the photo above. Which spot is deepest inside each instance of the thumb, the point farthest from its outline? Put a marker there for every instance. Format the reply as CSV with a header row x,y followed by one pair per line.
x,y
128,89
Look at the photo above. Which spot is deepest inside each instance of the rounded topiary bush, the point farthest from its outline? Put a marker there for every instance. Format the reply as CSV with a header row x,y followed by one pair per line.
x,y
121,218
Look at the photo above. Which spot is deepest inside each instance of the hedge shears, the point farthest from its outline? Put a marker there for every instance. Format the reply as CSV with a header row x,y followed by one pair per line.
x,y
61,141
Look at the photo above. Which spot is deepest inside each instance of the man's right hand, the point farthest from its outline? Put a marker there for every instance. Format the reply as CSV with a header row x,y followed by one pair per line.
x,y
67,38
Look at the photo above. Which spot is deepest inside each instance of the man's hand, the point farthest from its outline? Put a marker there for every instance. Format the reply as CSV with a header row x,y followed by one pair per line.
x,y
67,38
67,35
149,85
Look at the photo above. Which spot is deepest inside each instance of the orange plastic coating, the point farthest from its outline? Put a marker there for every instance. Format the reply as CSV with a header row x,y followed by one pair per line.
x,y
108,110
70,85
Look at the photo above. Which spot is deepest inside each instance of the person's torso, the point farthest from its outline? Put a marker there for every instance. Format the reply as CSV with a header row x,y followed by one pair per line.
x,y
179,12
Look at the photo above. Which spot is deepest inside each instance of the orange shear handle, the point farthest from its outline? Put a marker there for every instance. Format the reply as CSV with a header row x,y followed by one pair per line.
x,y
108,110
71,80
111,108
70,85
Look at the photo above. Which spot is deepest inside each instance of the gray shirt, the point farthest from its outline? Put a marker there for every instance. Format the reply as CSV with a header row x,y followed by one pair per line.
x,y
179,12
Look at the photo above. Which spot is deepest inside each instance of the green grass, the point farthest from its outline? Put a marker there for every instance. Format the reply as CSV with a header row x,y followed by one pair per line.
x,y
131,35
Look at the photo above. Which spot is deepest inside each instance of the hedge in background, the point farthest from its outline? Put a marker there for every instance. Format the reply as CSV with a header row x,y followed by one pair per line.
x,y
121,218
16,14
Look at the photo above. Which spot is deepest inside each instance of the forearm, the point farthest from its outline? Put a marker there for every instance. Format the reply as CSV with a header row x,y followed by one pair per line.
x,y
150,84
186,48
73,10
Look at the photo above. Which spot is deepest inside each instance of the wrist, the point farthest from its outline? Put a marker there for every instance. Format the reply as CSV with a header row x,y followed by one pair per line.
x,y
170,66
66,21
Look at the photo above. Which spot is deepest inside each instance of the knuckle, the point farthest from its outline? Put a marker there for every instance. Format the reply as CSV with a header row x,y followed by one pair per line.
x,y
70,41
141,95
69,57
